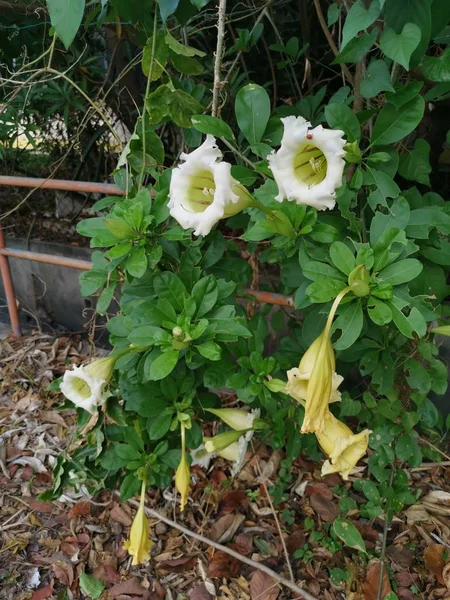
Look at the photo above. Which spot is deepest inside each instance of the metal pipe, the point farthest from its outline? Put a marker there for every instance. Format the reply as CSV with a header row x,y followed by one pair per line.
x,y
85,265
8,284
63,184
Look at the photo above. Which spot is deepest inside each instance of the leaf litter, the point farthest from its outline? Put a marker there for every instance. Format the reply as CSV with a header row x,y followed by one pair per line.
x,y
73,548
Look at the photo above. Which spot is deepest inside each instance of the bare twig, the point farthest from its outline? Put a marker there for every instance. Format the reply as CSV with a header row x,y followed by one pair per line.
x,y
303,594
330,40
427,443
431,465
219,54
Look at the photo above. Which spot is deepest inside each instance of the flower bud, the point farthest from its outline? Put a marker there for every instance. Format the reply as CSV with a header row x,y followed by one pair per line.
x,y
222,440
139,544
235,418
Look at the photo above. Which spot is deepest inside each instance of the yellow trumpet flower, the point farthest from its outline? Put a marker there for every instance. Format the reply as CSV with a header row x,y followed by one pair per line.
x,y
183,474
139,544
343,447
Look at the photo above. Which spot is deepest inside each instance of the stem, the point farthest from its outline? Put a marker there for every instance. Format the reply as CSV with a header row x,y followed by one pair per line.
x,y
333,310
236,151
303,594
147,90
51,49
219,53
330,40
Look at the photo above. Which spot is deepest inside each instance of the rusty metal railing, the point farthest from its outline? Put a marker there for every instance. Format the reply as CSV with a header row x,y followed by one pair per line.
x,y
75,263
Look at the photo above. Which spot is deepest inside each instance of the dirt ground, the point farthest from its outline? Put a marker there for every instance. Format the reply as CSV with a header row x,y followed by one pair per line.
x,y
46,548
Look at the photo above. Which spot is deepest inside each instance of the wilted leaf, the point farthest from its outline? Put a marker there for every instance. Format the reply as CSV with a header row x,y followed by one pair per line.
x,y
63,572
263,587
402,555
118,514
80,509
370,586
434,560
199,592
243,543
223,565
43,593
327,509
224,529
231,500
132,587
178,565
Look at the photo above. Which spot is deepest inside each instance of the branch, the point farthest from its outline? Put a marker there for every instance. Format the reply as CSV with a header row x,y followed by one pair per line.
x,y
330,40
303,594
219,53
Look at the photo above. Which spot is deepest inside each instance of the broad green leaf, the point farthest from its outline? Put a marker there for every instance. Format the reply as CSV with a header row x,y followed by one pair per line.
x,y
159,59
137,263
398,13
104,299
183,107
210,350
252,109
91,281
342,257
158,104
167,8
404,93
66,16
91,587
119,229
437,68
340,116
398,216
359,18
324,290
212,125
163,365
350,322
356,48
376,80
415,164
385,187
160,426
422,219
169,286
400,47
347,532
148,335
333,14
315,271
178,48
440,256
418,377
205,293
392,125
401,271
379,311
130,486
186,64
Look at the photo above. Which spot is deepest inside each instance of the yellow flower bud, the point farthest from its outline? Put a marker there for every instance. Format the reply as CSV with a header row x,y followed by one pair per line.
x,y
139,544
343,447
183,473
222,440
235,418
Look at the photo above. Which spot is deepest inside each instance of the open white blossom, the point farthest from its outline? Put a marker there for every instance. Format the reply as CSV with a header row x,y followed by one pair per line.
x,y
236,452
236,418
202,190
85,386
201,457
309,164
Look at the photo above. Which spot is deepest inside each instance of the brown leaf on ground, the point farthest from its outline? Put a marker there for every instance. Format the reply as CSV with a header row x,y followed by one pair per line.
x,y
199,592
63,572
132,587
231,500
405,579
224,529
370,585
263,587
39,506
446,575
107,574
243,543
402,555
326,509
178,565
405,594
118,514
295,541
319,488
223,565
271,466
434,560
80,509
43,593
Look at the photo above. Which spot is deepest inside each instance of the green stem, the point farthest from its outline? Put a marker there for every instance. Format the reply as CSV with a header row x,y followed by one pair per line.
x,y
333,310
256,204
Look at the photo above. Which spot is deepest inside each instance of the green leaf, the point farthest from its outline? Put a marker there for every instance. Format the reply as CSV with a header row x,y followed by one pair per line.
x,y
400,47
437,68
385,187
159,59
210,350
160,426
183,107
119,229
340,116
91,587
377,79
104,299
181,49
359,18
440,256
169,286
163,365
415,165
347,532
206,293
317,271
324,290
212,125
418,377
66,16
342,257
130,486
404,93
356,48
158,104
186,64
91,281
252,109
401,271
137,263
350,322
379,311
398,216
398,13
148,335
394,124
167,8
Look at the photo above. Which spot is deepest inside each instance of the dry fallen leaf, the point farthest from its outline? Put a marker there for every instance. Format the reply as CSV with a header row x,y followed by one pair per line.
x,y
326,509
199,592
178,565
223,565
132,587
434,560
224,529
80,509
263,587
231,500
370,585
43,593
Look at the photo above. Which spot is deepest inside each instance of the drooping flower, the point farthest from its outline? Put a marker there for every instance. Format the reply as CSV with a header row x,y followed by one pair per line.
x,y
202,190
222,440
309,164
236,418
85,386
201,457
343,447
183,473
139,544
232,446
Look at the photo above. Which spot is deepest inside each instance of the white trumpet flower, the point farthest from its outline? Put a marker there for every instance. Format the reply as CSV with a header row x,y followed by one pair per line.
x,y
309,164
202,190
85,386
